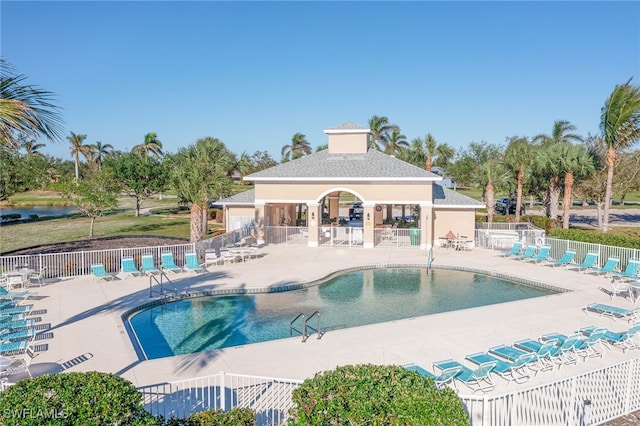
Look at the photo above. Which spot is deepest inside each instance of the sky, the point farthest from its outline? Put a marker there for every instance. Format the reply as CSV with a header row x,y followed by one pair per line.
x,y
253,74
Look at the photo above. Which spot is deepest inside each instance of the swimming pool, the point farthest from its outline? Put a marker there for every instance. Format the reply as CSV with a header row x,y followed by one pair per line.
x,y
358,298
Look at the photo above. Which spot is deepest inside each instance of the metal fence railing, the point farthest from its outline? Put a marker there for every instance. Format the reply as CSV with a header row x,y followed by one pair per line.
x,y
498,236
269,398
588,398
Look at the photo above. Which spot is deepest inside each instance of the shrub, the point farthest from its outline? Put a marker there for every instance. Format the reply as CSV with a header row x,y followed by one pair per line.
x,y
235,416
595,237
86,399
374,395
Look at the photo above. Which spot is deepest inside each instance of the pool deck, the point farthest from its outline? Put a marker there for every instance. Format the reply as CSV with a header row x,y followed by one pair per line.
x,y
87,333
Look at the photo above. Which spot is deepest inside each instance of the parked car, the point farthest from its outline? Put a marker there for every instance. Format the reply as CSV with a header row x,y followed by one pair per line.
x,y
506,205
356,211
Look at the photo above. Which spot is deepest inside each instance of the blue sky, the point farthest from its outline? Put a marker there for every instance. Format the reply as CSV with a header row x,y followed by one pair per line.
x,y
254,73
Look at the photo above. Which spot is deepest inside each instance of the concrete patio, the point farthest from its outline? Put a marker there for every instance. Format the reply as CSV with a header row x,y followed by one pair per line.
x,y
88,332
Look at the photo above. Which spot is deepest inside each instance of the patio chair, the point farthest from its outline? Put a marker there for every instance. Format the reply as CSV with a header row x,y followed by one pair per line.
x,y
565,260
168,264
589,260
14,295
544,351
630,273
476,380
602,310
623,340
566,353
228,256
128,267
609,266
541,256
100,273
510,371
528,253
14,280
22,364
516,248
38,276
191,262
587,347
148,265
619,287
10,347
444,378
211,258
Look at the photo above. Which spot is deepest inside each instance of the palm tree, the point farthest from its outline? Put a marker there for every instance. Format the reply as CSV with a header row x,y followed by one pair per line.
x,y
620,127
381,130
427,152
395,143
570,162
151,145
517,158
25,110
491,174
561,133
199,173
299,147
99,152
77,148
32,147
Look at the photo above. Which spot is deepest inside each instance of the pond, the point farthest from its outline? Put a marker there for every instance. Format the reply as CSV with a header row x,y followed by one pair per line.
x,y
39,211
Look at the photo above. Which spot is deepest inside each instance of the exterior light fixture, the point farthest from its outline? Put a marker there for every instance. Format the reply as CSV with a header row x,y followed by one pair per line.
x,y
313,215
368,216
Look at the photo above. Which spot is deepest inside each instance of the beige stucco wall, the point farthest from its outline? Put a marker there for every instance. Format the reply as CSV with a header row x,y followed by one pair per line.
x,y
372,192
460,222
348,143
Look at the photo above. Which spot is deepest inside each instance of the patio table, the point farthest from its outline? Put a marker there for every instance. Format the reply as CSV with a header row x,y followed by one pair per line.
x,y
22,273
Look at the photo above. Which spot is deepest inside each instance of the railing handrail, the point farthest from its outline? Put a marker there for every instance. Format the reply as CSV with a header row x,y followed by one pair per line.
x,y
305,335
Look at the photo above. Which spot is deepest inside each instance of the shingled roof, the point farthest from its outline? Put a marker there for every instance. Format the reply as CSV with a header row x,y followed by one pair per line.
x,y
370,166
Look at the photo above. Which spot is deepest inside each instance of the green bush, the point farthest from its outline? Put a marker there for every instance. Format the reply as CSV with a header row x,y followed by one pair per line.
x,y
374,395
86,399
594,237
234,417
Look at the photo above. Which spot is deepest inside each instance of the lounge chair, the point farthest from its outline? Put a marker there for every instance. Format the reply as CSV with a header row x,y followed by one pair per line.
x,y
541,256
128,267
513,354
566,259
586,347
602,310
630,273
24,334
609,266
566,353
528,253
516,248
477,380
13,295
9,326
148,265
100,273
623,340
191,262
445,377
544,351
510,371
19,345
589,261
168,264
22,364
22,309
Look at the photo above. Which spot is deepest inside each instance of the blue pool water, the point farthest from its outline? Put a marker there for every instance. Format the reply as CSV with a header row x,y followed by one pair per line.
x,y
359,298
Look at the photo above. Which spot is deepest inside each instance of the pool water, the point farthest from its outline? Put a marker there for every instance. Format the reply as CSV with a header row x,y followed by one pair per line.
x,y
359,298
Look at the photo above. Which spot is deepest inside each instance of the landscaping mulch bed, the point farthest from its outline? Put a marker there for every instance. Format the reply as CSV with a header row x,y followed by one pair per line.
x,y
100,244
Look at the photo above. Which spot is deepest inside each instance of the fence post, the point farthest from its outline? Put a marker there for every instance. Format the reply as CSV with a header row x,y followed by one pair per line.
x,y
223,391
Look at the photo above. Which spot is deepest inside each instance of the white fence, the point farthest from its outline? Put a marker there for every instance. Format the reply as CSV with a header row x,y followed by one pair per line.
x,y
269,398
585,399
501,236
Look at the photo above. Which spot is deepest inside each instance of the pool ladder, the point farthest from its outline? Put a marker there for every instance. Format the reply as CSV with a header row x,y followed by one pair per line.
x,y
305,326
161,288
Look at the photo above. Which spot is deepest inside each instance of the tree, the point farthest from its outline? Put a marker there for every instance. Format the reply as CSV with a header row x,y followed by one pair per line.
x,y
299,147
199,173
517,158
25,110
492,174
141,177
620,127
381,130
561,133
78,148
151,146
31,147
93,196
99,152
395,143
569,162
